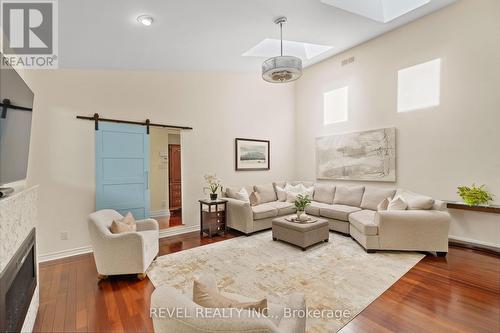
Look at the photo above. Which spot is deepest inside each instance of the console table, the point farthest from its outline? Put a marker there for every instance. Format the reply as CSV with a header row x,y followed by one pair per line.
x,y
486,209
212,216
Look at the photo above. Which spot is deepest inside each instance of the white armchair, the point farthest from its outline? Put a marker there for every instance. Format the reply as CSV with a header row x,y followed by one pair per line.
x,y
125,253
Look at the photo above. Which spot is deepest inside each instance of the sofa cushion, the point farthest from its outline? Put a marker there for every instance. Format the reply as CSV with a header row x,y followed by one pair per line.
x,y
338,212
375,195
314,207
284,208
266,192
264,211
383,205
348,195
324,193
415,200
364,221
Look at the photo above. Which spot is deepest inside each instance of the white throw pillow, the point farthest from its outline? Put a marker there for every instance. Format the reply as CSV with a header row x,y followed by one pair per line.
x,y
289,188
397,203
242,195
280,191
309,191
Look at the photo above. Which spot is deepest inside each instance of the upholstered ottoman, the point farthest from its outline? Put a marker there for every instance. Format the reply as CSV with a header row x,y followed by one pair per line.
x,y
300,234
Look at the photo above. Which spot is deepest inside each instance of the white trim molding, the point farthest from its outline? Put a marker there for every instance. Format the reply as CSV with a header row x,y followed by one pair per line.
x,y
64,253
178,230
474,241
159,213
88,249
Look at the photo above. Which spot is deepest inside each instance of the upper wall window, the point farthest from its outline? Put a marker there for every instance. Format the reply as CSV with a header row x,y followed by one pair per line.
x,y
419,86
335,106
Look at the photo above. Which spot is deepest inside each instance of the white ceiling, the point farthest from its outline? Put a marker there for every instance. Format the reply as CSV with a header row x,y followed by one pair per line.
x,y
206,35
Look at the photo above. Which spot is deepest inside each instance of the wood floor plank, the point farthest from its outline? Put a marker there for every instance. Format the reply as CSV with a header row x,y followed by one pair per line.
x,y
459,293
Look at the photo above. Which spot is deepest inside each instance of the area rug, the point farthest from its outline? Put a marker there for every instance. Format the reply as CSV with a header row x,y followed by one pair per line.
x,y
335,276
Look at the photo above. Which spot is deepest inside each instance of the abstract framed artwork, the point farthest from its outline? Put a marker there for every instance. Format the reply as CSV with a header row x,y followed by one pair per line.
x,y
252,155
367,155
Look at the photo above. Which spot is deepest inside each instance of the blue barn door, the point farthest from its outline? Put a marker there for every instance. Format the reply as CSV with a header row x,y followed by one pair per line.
x,y
122,169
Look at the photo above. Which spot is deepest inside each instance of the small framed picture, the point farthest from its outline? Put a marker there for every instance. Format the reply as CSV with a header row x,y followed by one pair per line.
x,y
252,155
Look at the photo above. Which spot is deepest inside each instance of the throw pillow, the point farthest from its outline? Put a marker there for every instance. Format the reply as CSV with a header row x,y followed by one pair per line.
x,y
309,191
383,205
397,203
211,298
254,199
415,200
280,191
126,224
242,195
289,188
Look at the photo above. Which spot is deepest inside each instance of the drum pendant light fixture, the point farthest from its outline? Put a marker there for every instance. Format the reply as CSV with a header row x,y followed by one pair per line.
x,y
281,69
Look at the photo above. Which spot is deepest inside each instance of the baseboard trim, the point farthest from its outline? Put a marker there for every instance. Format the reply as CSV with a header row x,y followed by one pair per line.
x,y
474,244
64,253
159,213
174,231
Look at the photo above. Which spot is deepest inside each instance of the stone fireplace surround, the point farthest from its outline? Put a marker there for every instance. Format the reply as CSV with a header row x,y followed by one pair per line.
x,y
18,217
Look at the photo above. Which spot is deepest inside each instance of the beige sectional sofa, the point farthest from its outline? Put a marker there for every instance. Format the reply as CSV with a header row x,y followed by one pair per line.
x,y
352,210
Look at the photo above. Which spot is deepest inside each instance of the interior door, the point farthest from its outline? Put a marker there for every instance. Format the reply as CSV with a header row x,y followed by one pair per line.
x,y
122,169
174,177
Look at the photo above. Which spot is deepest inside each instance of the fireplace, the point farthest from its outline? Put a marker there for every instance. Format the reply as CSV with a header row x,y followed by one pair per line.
x,y
17,285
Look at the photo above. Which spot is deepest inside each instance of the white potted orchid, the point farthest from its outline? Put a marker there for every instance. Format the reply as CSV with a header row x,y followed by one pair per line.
x,y
214,183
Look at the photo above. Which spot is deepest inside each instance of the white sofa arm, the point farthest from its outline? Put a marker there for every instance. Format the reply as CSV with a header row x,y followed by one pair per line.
x,y
172,311
296,322
147,224
413,230
239,215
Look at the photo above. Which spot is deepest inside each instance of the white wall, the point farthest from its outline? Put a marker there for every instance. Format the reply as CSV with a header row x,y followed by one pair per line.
x,y
438,148
220,107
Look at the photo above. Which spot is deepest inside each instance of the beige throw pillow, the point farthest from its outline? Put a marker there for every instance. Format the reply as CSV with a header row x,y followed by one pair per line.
x,y
397,203
383,205
211,298
126,224
254,199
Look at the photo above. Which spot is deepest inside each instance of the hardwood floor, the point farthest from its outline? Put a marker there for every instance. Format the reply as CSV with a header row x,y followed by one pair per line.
x,y
459,293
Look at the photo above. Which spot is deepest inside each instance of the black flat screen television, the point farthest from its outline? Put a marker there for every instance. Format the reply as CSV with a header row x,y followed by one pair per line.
x,y
16,106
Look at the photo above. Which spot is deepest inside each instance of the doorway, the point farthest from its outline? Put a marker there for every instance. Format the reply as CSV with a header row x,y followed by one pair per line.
x,y
166,177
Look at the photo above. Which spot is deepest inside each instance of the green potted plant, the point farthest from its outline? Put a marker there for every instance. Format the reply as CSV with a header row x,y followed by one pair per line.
x,y
301,202
214,183
475,195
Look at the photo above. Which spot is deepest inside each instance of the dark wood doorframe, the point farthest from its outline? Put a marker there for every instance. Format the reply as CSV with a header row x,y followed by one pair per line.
x,y
174,177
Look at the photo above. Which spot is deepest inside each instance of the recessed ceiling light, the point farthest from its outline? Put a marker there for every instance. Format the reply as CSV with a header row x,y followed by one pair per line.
x,y
145,20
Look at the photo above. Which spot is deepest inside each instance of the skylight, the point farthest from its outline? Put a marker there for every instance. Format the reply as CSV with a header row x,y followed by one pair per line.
x,y
335,106
419,86
378,10
271,47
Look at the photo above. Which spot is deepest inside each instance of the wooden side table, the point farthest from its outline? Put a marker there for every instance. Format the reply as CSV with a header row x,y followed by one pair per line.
x,y
212,216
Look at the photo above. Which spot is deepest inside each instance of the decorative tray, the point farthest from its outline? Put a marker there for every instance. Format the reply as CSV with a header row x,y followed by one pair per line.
x,y
294,219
